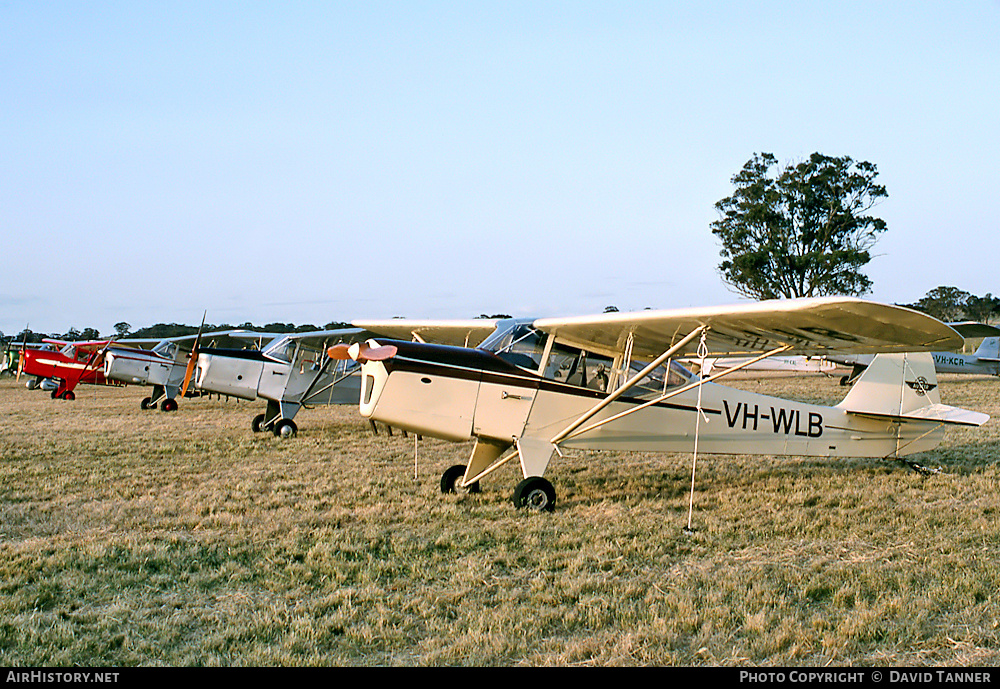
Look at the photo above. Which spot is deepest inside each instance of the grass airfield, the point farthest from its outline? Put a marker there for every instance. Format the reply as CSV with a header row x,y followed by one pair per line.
x,y
140,538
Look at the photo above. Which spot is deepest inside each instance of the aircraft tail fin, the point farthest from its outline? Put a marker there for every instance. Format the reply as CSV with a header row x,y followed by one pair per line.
x,y
904,387
989,349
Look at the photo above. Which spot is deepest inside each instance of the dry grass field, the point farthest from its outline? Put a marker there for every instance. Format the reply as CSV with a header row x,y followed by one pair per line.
x,y
132,537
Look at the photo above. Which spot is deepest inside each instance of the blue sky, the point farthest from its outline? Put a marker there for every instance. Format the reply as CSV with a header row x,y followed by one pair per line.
x,y
315,161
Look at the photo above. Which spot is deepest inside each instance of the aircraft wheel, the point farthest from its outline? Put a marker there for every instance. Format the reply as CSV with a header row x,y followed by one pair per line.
x,y
69,395
285,428
168,405
31,384
258,423
536,494
145,404
451,481
845,381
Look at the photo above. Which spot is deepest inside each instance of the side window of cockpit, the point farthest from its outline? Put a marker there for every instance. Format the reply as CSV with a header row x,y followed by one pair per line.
x,y
580,368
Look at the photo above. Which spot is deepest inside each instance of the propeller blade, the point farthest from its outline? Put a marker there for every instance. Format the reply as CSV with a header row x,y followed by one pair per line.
x,y
20,357
193,360
339,352
361,352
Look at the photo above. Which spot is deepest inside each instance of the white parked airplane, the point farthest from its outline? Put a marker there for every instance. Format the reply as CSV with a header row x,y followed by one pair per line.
x,y
163,367
291,371
985,360
611,382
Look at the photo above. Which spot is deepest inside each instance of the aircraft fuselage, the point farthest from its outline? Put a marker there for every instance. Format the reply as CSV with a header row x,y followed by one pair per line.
x,y
461,394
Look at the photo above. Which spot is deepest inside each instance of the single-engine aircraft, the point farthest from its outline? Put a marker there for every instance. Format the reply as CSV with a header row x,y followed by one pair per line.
x,y
611,382
162,367
291,371
294,370
61,370
985,360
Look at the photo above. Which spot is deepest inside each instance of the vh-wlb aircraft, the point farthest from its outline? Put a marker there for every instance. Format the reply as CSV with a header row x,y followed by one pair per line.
x,y
294,370
611,382
985,360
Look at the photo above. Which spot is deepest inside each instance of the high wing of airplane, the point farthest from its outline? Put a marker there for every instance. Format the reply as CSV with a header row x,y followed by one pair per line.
x,y
985,360
458,333
162,366
611,382
62,367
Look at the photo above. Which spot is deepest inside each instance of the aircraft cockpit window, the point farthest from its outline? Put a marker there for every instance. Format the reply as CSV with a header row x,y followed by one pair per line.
x,y
166,349
661,379
519,344
284,350
579,367
68,351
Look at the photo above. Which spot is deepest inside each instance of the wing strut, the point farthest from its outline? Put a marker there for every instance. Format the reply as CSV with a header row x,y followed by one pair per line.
x,y
572,429
562,435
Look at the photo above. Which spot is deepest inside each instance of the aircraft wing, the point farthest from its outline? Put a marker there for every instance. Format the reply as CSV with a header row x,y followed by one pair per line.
x,y
972,329
461,333
809,326
319,337
83,346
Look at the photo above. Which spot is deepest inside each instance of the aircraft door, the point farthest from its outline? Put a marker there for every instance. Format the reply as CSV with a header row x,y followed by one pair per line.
x,y
502,409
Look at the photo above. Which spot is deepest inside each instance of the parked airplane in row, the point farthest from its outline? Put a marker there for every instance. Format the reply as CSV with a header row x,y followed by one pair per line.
x,y
611,382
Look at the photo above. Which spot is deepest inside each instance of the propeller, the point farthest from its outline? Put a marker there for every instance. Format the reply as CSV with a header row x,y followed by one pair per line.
x,y
20,357
193,360
361,352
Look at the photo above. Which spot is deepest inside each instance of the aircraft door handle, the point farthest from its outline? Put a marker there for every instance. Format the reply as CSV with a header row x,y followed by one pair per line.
x,y
507,396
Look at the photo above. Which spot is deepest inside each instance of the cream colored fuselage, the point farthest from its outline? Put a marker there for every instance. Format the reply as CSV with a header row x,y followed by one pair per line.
x,y
457,402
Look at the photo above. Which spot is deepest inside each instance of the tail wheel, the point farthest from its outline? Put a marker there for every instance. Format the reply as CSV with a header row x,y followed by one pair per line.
x,y
285,428
451,481
536,494
168,405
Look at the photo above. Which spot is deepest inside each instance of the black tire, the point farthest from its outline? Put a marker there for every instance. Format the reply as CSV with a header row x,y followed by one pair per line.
x,y
168,405
258,423
69,395
145,404
285,428
536,494
451,481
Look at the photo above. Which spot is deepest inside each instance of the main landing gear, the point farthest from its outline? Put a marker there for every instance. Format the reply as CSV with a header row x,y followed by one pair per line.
x,y
282,428
165,405
533,493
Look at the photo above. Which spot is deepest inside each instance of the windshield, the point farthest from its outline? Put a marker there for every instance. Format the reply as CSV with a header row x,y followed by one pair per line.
x,y
282,350
165,349
517,343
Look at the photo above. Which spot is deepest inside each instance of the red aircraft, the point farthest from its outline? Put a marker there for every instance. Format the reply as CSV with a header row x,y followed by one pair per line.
x,y
60,370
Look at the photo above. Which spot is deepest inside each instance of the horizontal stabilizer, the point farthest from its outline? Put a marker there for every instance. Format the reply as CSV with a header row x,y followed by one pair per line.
x,y
938,413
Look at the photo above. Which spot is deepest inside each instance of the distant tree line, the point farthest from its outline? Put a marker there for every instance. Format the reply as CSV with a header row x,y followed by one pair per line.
x,y
953,305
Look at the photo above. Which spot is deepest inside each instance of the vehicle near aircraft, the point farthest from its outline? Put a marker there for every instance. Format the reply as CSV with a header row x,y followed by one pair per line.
x,y
984,361
611,382
294,371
